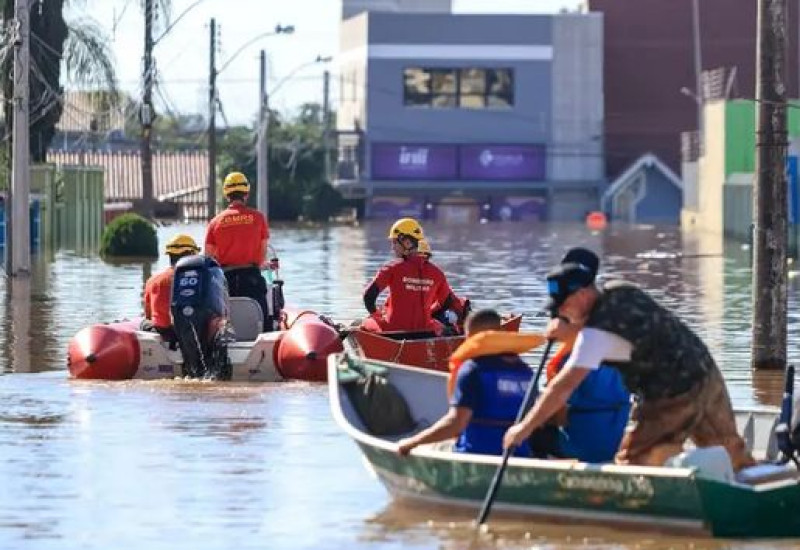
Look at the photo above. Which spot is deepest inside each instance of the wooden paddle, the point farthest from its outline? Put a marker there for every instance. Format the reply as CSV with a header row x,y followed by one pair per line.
x,y
527,401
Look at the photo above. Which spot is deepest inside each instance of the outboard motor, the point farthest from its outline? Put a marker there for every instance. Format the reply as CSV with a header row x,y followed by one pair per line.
x,y
200,317
275,300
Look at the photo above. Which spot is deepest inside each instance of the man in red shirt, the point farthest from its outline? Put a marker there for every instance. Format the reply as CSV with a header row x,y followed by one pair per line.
x,y
158,289
237,239
414,284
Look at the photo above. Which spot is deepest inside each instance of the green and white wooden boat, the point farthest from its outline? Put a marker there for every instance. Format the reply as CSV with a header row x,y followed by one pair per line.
x,y
680,498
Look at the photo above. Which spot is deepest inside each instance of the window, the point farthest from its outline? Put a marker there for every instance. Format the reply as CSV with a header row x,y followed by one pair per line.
x,y
430,88
444,88
473,88
499,88
467,88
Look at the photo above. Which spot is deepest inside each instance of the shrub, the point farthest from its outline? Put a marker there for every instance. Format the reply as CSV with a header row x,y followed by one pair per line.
x,y
129,235
321,203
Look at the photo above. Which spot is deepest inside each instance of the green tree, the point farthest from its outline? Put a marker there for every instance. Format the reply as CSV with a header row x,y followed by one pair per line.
x,y
297,185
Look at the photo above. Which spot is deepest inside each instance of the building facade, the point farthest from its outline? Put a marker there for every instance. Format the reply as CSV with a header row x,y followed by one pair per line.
x,y
723,198
651,94
472,116
355,7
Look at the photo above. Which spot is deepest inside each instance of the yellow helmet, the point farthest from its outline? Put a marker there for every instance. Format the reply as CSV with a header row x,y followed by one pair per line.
x,y
406,226
424,248
235,181
182,244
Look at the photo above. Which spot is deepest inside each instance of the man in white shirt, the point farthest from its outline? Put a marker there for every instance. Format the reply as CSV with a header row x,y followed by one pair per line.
x,y
679,388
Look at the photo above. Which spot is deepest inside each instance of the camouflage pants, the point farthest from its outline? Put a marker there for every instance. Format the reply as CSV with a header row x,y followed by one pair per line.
x,y
658,428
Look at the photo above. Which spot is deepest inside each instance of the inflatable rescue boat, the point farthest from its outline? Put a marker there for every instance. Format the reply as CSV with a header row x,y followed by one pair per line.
x,y
217,337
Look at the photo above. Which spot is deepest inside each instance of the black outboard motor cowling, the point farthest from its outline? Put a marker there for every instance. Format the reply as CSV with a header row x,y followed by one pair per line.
x,y
275,303
200,317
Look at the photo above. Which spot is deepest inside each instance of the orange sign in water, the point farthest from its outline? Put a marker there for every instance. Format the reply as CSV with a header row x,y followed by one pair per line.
x,y
596,221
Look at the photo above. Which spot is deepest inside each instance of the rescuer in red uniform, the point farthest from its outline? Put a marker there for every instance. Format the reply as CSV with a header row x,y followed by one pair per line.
x,y
414,284
237,239
158,289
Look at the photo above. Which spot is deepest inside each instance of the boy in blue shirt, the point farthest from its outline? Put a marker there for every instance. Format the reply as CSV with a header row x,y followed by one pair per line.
x,y
489,390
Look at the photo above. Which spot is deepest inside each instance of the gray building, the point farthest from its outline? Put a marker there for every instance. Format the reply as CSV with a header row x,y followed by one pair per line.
x,y
354,7
472,116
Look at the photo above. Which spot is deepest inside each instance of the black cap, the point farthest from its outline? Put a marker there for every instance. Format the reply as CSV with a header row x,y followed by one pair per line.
x,y
564,280
584,257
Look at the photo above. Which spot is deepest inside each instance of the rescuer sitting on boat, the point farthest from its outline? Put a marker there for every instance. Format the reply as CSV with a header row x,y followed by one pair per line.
x,y
414,284
680,390
589,428
237,238
158,289
454,317
487,385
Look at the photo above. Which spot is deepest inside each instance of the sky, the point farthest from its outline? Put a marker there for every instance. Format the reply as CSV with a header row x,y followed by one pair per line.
x,y
182,55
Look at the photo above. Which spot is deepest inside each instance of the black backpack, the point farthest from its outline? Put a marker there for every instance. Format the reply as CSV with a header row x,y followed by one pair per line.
x,y
383,410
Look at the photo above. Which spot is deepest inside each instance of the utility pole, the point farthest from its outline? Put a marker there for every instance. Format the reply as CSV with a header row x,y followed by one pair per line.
x,y
262,145
326,124
19,239
147,113
770,234
212,122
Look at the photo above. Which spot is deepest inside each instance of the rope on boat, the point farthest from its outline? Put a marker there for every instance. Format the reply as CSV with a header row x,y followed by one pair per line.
x,y
399,351
301,314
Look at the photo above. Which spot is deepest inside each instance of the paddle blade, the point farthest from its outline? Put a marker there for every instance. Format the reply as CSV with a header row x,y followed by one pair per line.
x,y
493,488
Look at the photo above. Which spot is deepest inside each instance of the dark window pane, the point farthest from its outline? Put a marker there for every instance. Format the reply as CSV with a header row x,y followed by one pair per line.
x,y
443,81
416,87
500,87
444,86
418,80
417,100
473,81
499,101
444,100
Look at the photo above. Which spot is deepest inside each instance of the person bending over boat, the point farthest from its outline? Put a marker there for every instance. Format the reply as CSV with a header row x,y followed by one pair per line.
x,y
237,239
486,390
452,318
679,389
158,289
414,284
589,428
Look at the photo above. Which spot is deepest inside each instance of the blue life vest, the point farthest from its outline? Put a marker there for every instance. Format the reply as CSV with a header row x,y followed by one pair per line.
x,y
598,413
503,381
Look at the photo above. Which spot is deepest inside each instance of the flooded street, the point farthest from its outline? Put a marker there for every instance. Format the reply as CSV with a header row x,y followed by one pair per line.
x,y
177,464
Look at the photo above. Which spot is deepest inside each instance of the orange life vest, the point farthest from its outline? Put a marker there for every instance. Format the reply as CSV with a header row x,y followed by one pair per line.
x,y
556,362
490,342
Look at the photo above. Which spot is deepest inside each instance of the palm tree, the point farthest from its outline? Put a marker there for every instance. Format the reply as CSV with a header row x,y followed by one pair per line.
x,y
87,56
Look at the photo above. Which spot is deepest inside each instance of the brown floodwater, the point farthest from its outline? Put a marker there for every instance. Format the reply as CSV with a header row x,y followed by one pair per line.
x,y
178,464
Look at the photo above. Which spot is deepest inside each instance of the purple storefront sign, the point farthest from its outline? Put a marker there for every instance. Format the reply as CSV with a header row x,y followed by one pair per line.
x,y
502,162
414,162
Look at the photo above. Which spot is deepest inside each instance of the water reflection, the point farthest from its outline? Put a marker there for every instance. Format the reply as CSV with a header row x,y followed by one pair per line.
x,y
413,525
177,464
18,302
